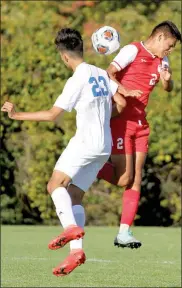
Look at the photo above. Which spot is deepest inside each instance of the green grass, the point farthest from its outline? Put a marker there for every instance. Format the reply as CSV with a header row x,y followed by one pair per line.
x,y
26,261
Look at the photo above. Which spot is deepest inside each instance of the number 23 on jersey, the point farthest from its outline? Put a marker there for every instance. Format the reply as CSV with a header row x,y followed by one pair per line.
x,y
99,86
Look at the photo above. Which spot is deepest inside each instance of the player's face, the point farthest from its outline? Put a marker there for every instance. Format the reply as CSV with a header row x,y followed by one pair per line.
x,y
166,45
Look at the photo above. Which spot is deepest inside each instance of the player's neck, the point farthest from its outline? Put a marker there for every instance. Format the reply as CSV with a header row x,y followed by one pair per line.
x,y
76,62
150,46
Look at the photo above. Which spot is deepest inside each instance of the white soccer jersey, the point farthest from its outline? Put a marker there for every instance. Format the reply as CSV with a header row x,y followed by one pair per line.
x,y
89,92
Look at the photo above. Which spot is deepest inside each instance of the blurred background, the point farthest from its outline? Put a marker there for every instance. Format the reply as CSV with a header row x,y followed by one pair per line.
x,y
33,76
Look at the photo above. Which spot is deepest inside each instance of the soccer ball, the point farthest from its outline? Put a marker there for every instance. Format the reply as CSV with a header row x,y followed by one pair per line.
x,y
106,40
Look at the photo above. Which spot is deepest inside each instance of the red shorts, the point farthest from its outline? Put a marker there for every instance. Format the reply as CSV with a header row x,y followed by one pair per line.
x,y
129,136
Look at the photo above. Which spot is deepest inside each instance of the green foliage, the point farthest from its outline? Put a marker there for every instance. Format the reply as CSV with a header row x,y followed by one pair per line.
x,y
33,76
103,205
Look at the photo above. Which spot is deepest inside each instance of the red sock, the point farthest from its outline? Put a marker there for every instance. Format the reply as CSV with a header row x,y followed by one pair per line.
x,y
106,172
129,206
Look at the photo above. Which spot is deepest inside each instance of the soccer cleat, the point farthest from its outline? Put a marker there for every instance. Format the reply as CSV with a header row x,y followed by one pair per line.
x,y
70,233
75,259
126,239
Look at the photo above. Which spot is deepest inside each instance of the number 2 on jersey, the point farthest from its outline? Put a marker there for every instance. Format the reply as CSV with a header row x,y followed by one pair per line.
x,y
96,89
153,79
120,143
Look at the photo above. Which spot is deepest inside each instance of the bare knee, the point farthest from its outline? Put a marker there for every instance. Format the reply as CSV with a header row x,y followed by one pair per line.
x,y
58,179
123,169
52,185
125,180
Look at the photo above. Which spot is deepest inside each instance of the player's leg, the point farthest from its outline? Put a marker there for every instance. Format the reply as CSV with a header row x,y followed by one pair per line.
x,y
124,166
82,180
77,195
57,188
66,213
141,150
68,165
119,171
122,159
107,173
130,203
123,169
124,174
139,158
131,195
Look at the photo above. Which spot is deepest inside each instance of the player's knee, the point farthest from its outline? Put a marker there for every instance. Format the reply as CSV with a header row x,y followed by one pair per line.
x,y
51,186
126,180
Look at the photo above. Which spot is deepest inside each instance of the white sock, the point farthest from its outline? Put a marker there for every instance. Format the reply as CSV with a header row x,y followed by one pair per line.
x,y
62,202
79,213
123,227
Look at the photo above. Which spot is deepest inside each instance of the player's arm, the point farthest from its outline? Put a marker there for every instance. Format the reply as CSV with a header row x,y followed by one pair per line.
x,y
165,75
125,57
47,115
65,102
119,100
119,105
166,80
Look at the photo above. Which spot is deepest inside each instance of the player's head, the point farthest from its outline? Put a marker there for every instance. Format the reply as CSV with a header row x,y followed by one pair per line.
x,y
165,35
70,45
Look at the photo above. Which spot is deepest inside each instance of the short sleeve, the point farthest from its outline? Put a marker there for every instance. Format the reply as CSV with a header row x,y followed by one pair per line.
x,y
113,86
71,93
126,56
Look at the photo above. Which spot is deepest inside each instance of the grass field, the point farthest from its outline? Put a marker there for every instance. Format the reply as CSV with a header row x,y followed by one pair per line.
x,y
26,261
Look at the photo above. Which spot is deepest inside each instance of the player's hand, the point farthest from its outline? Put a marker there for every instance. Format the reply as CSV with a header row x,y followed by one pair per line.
x,y
129,93
9,108
166,73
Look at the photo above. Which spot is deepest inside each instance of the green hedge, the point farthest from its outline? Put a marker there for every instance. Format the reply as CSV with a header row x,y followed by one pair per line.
x,y
33,76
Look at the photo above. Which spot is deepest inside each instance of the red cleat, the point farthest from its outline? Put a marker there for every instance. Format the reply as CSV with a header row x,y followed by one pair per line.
x,y
70,233
75,259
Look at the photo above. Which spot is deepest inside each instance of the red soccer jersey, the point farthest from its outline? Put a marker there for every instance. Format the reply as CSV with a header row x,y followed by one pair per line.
x,y
138,69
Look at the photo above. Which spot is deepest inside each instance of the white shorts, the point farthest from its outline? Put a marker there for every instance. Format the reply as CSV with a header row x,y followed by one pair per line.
x,y
82,167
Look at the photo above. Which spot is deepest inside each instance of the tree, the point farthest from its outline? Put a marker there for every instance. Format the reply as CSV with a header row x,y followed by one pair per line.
x,y
33,76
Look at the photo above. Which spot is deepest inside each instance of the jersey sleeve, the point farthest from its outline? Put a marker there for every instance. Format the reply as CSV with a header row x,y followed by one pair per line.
x,y
71,93
126,56
113,86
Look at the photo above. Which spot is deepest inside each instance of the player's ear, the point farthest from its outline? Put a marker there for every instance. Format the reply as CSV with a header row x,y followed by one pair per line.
x,y
64,57
160,36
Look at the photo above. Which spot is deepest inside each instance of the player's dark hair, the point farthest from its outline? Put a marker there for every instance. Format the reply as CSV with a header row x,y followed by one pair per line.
x,y
70,40
168,28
